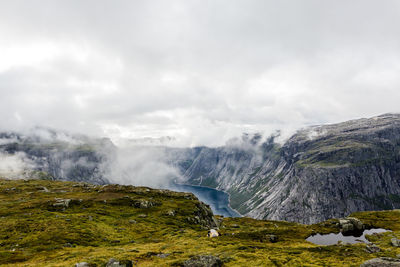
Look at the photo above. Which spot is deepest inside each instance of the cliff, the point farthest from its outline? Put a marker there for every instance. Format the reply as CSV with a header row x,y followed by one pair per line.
x,y
321,172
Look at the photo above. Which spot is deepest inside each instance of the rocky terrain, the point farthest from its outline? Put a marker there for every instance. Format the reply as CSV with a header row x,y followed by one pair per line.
x,y
321,172
53,223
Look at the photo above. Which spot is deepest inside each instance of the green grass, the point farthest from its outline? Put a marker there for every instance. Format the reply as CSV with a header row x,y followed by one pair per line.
x,y
106,222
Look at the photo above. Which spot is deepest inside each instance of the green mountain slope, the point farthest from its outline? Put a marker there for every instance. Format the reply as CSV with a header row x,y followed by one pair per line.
x,y
52,223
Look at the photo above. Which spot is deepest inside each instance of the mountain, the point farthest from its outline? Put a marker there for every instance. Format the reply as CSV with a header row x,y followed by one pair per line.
x,y
53,223
321,172
56,155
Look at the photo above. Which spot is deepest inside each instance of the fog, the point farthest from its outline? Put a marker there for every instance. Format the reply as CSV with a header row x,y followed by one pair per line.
x,y
15,166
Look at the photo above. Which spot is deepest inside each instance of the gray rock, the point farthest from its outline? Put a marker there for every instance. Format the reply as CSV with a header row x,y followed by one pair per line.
x,y
119,263
68,245
213,233
43,189
85,264
143,204
272,238
170,213
163,255
395,242
372,248
203,261
382,262
351,225
61,202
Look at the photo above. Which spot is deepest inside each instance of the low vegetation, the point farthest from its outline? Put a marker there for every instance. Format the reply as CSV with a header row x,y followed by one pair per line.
x,y
51,223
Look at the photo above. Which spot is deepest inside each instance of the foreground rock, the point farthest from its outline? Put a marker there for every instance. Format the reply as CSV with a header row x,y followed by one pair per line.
x,y
382,262
351,226
395,242
118,263
203,216
203,261
85,264
212,233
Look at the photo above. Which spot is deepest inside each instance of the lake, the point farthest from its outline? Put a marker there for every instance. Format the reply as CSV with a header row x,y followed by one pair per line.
x,y
218,200
332,239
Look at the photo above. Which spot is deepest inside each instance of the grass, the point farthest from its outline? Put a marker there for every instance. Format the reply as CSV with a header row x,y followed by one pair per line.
x,y
107,222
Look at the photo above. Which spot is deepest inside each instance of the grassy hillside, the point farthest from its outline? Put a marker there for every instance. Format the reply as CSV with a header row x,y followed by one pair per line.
x,y
50,223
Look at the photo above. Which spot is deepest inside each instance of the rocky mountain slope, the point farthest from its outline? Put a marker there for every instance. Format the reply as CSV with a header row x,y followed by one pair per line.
x,y
53,223
321,172
55,155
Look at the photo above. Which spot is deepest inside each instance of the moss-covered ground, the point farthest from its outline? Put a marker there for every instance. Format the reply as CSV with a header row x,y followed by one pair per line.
x,y
106,222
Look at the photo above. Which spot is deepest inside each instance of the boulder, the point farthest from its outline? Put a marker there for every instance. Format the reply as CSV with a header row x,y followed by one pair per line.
x,y
85,264
203,261
119,263
272,238
213,233
61,202
395,242
170,213
143,204
163,255
382,262
372,248
351,226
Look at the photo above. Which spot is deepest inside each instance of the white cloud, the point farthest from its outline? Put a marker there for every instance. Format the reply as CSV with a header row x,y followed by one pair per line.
x,y
15,166
202,71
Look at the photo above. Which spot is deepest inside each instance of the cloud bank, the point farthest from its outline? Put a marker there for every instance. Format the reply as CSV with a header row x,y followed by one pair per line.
x,y
199,71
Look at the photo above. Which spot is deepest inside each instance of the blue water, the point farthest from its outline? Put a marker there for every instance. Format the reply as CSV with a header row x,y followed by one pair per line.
x,y
218,200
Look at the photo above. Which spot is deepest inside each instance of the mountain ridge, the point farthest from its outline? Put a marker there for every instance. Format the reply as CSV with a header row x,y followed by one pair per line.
x,y
296,181
319,173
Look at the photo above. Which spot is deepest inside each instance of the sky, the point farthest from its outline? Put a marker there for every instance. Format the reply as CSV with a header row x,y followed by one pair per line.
x,y
201,71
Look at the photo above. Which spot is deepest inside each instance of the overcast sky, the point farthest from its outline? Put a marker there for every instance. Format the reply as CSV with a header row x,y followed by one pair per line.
x,y
202,71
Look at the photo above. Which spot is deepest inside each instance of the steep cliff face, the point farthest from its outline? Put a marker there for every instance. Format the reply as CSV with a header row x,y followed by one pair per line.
x,y
319,173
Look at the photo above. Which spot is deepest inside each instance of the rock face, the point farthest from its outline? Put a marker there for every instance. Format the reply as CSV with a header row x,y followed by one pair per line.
x,y
321,172
203,216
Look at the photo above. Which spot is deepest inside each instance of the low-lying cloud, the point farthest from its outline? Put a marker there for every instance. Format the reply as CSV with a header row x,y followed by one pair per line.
x,y
142,166
15,166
